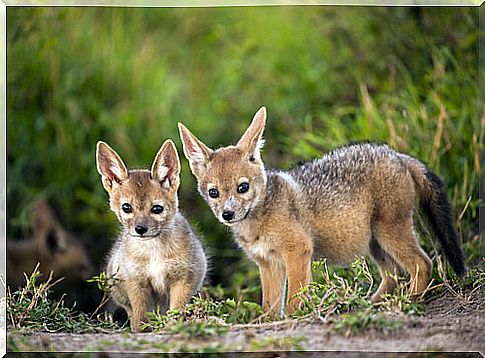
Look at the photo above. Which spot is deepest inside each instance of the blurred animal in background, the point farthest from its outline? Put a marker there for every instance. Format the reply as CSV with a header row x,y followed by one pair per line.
x,y
52,247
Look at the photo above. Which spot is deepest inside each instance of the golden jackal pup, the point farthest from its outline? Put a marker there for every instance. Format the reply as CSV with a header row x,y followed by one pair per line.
x,y
356,199
157,257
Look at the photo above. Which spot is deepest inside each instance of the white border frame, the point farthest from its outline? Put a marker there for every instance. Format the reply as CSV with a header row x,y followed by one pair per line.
x,y
184,3
3,176
224,3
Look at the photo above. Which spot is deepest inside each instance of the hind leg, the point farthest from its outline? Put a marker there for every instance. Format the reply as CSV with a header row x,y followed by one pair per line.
x,y
388,269
398,240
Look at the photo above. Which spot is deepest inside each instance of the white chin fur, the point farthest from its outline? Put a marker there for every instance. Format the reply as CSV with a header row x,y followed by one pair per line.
x,y
229,224
232,223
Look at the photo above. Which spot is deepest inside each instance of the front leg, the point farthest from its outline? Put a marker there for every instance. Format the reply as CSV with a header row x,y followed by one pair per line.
x,y
273,284
181,291
139,297
298,258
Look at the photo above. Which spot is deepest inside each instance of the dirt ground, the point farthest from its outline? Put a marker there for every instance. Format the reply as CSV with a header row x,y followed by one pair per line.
x,y
451,323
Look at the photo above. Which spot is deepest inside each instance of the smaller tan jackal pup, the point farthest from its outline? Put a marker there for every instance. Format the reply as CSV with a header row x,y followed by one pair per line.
x,y
52,247
157,258
356,199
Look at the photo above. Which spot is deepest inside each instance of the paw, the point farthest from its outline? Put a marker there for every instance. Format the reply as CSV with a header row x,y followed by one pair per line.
x,y
137,326
294,304
377,297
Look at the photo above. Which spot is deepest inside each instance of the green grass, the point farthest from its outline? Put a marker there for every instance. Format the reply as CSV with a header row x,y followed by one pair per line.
x,y
30,309
342,298
204,317
338,298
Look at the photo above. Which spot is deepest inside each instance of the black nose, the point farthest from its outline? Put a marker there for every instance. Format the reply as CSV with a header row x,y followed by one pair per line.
x,y
228,215
141,229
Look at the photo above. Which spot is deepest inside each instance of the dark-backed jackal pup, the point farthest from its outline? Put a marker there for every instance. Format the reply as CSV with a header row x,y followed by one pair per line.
x,y
52,247
356,199
157,258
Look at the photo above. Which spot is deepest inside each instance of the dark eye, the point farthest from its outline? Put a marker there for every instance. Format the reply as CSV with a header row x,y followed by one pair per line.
x,y
157,209
126,208
242,188
213,193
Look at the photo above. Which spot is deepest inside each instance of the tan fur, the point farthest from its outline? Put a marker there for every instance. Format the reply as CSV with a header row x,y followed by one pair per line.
x,y
352,201
165,265
52,246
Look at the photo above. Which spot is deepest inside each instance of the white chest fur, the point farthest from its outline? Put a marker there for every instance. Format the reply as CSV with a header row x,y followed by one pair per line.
x,y
157,274
259,249
150,264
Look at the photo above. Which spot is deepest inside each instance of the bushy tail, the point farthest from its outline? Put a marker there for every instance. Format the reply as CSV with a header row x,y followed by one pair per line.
x,y
435,205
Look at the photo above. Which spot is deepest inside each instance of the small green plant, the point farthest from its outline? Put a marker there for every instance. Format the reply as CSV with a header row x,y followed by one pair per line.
x,y
105,283
401,301
29,308
356,322
332,294
207,311
474,280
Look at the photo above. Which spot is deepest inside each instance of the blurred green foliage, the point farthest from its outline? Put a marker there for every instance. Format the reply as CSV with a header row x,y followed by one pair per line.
x,y
328,75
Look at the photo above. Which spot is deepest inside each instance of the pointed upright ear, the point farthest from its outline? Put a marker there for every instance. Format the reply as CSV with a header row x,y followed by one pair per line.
x,y
43,216
110,166
50,238
166,166
197,153
252,140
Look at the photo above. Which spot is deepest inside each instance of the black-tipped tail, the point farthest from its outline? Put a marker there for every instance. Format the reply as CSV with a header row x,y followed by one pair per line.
x,y
437,208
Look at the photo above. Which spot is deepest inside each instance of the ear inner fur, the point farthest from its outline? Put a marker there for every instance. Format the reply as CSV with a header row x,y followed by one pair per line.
x,y
166,165
252,140
195,151
110,165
